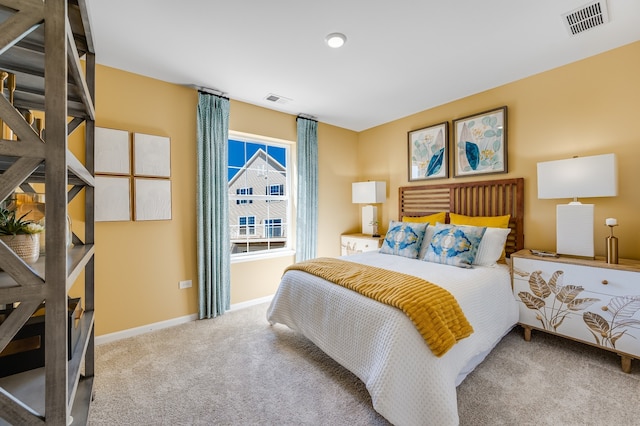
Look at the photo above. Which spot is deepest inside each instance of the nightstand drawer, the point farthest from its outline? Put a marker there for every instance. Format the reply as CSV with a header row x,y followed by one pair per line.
x,y
592,279
573,325
359,243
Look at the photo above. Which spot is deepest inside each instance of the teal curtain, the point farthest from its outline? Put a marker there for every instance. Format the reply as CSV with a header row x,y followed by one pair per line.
x,y
214,265
307,211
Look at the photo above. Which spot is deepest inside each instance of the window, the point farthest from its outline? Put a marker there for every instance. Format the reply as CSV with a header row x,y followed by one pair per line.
x,y
273,227
255,163
247,225
244,191
275,190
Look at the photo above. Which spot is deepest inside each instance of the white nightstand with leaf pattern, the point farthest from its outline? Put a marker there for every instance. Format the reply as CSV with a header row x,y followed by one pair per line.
x,y
359,243
590,301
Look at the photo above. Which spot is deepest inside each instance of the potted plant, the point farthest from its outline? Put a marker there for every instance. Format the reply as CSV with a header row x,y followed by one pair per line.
x,y
20,235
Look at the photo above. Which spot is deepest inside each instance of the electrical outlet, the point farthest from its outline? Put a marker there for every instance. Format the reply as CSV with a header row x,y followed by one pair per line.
x,y
184,284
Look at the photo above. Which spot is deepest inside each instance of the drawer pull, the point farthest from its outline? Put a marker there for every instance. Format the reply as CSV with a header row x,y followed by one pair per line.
x,y
605,282
604,308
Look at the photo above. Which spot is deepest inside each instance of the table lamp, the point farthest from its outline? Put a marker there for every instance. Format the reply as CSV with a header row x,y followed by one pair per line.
x,y
578,177
369,193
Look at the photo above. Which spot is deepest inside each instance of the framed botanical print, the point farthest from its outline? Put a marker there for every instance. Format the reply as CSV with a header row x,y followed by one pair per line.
x,y
428,152
480,143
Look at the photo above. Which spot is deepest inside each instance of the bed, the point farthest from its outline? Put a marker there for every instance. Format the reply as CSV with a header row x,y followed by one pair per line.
x,y
408,384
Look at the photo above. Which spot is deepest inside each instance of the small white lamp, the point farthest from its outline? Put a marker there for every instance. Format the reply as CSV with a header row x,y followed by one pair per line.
x,y
583,177
369,193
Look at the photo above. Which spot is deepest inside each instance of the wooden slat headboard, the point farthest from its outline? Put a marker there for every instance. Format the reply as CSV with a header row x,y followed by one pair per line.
x,y
485,198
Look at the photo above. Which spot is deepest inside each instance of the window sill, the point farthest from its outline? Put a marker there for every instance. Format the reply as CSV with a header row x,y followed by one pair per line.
x,y
261,256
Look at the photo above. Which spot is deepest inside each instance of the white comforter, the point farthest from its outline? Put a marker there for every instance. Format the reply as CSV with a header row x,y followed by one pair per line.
x,y
379,344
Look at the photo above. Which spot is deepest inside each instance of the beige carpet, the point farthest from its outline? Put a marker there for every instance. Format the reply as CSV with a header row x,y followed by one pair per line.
x,y
238,370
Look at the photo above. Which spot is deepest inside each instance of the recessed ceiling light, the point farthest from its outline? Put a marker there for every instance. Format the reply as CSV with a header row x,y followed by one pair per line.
x,y
335,40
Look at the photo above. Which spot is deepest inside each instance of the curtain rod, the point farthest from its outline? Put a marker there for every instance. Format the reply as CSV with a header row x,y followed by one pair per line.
x,y
307,117
214,92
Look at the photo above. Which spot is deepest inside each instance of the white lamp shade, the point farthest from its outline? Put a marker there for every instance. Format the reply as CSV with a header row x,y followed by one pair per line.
x,y
368,192
583,177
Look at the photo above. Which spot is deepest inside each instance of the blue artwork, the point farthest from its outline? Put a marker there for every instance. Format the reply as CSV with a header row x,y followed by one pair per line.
x,y
480,143
428,153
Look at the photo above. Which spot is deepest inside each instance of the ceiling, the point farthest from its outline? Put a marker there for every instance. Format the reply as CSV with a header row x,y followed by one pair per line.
x,y
401,57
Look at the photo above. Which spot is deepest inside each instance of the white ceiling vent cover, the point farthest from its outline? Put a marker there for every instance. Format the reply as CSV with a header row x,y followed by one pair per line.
x,y
588,16
277,99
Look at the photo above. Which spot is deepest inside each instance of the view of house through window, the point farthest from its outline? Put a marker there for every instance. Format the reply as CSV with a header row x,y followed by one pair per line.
x,y
258,194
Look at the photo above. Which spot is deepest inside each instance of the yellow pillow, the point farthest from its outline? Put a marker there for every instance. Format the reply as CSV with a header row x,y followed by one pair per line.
x,y
490,221
432,218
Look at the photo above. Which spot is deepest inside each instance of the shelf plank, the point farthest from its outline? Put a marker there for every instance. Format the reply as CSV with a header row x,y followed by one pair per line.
x,y
79,170
20,24
16,412
27,388
77,257
85,324
16,174
15,321
75,69
82,402
12,148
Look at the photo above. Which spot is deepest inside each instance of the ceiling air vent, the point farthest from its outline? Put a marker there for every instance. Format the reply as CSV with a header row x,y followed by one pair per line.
x,y
277,99
589,16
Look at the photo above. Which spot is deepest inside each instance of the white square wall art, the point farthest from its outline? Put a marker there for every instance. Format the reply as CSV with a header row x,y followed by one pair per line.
x,y
151,155
112,151
152,199
112,198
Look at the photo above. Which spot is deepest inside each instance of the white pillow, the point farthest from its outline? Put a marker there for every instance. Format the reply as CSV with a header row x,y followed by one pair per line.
x,y
491,246
428,234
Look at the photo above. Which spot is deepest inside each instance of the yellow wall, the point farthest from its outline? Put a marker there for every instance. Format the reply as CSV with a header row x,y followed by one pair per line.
x,y
585,108
139,264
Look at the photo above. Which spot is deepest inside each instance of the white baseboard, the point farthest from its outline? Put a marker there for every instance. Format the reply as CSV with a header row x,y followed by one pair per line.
x,y
248,303
136,331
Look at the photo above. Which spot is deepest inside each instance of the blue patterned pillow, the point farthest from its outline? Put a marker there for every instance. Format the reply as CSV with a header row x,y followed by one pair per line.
x,y
404,239
454,245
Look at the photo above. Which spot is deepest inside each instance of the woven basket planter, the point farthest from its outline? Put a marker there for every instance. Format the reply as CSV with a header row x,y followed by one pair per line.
x,y
26,246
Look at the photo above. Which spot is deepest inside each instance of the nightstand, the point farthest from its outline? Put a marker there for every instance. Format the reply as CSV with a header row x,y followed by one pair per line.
x,y
590,301
358,243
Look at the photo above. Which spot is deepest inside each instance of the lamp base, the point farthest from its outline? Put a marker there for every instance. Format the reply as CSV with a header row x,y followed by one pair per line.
x,y
369,216
574,230
612,249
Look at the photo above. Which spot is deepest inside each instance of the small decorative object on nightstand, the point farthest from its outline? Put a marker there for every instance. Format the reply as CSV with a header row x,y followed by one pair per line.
x,y
612,242
374,226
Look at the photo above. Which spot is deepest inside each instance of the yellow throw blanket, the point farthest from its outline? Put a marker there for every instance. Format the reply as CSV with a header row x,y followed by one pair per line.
x,y
434,311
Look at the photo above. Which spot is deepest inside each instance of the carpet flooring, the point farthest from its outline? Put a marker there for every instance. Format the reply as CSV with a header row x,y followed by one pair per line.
x,y
238,370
